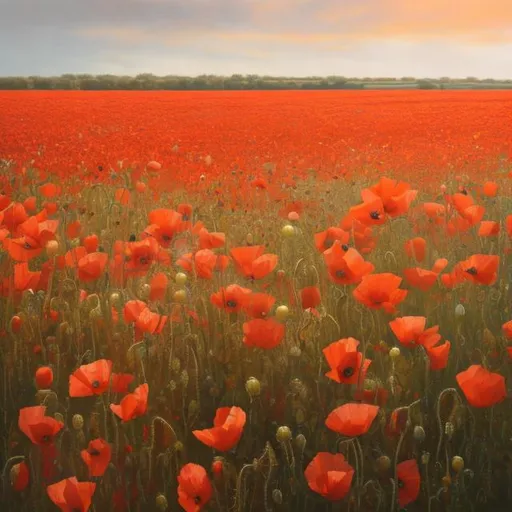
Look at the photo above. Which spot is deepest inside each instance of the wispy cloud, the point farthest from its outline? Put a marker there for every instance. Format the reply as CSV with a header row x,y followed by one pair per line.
x,y
222,34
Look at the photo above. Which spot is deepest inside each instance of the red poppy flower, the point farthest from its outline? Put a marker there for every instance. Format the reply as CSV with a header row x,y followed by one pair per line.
x,y
164,225
20,476
209,240
44,377
490,189
507,329
132,405
145,320
205,261
258,305
410,331
40,429
265,334
70,495
91,243
438,356
345,361
416,248
252,262
481,387
380,291
97,457
346,267
329,475
479,268
310,297
396,196
408,482
326,239
489,228
232,298
121,381
194,488
90,379
91,266
352,419
227,429
158,285
369,213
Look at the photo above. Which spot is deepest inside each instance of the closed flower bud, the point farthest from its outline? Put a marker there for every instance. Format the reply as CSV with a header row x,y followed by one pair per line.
x,y
394,353
180,278
144,291
52,248
282,313
161,502
425,458
59,417
115,298
277,496
419,434
283,434
288,231
460,311
253,387
457,464
300,441
180,296
383,463
77,422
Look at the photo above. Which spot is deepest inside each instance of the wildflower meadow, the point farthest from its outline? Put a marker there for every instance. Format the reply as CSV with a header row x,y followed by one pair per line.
x,y
256,301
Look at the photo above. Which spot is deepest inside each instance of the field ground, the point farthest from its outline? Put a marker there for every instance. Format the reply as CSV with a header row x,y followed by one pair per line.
x,y
410,133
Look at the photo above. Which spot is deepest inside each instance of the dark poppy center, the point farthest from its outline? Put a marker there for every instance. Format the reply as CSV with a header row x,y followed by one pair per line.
x,y
143,261
46,439
348,372
231,304
345,247
375,215
197,500
328,243
400,484
166,238
95,384
185,217
464,191
472,271
340,273
93,452
26,245
132,238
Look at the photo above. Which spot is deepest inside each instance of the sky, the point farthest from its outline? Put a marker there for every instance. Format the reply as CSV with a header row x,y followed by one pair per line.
x,y
377,38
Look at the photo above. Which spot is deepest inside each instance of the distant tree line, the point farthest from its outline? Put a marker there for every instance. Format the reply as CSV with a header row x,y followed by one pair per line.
x,y
149,82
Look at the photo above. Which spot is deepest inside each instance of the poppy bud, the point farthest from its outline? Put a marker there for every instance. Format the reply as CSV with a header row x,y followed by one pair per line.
x,y
115,298
19,476
180,278
52,248
394,353
283,434
59,417
277,496
44,377
178,446
253,387
280,274
282,313
161,502
180,296
419,434
77,421
288,231
460,311
218,466
425,458
16,323
383,463
249,239
293,216
300,441
457,464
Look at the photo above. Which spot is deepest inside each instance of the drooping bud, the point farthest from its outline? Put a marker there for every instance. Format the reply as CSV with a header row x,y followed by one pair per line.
x,y
253,387
283,434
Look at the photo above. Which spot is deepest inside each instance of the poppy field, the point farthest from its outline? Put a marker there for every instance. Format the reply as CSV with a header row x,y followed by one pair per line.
x,y
256,301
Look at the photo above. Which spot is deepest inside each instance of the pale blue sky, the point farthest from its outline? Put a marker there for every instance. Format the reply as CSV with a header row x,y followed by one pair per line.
x,y
278,37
